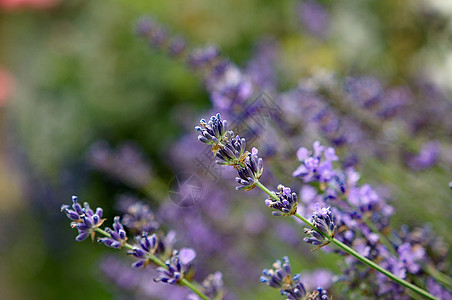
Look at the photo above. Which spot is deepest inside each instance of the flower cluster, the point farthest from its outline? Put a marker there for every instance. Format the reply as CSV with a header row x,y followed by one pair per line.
x,y
286,204
117,238
290,285
174,266
324,227
231,151
177,266
228,85
361,220
84,219
214,133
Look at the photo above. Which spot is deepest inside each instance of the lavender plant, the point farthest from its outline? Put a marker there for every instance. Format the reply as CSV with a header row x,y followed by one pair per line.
x,y
174,266
333,186
341,215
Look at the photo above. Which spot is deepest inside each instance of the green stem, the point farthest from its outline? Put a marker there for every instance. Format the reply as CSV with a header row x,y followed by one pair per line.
x,y
382,270
162,264
354,253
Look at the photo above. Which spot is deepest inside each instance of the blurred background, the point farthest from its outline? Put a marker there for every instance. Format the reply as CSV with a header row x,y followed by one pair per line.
x,y
88,108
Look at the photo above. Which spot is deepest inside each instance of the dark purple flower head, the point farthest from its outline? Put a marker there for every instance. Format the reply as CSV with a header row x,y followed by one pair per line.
x,y
145,247
177,266
83,218
323,221
290,286
287,204
280,276
117,237
214,132
251,172
233,153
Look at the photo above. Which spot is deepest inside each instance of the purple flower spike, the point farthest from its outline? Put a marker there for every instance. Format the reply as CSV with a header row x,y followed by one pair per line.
x,y
214,132
323,221
290,286
177,266
145,247
84,219
117,237
287,204
251,172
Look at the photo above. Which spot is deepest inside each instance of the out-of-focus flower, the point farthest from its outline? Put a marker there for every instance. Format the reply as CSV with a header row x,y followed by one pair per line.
x,y
427,157
126,163
315,17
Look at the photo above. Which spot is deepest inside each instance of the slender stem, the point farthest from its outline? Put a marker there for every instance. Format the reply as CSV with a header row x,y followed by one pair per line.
x,y
159,262
354,253
192,287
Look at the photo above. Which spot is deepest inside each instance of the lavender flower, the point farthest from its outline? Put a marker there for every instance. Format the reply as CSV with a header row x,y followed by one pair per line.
x,y
290,286
323,221
146,247
287,204
177,266
233,153
251,172
214,132
117,237
84,219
